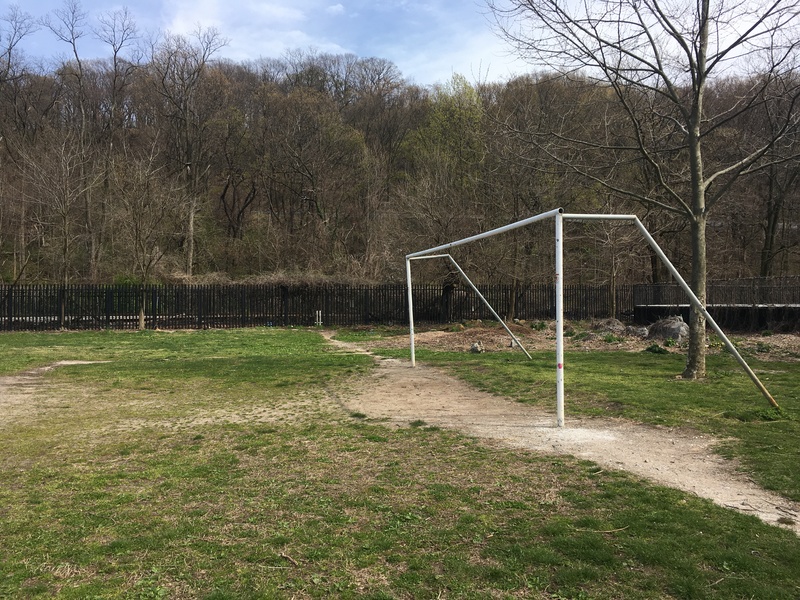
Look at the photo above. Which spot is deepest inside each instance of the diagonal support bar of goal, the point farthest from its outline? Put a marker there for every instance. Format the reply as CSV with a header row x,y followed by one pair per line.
x,y
686,288
480,296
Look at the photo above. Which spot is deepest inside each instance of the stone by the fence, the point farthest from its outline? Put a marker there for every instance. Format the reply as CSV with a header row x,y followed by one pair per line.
x,y
612,325
477,347
636,331
670,328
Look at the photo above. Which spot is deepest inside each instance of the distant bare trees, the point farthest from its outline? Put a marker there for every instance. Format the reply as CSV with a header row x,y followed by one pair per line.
x,y
164,160
188,100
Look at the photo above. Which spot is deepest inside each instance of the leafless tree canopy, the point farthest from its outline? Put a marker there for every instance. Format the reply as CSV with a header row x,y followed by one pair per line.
x,y
165,161
673,81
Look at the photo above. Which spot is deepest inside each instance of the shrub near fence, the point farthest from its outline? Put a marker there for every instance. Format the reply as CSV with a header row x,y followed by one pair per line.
x,y
735,305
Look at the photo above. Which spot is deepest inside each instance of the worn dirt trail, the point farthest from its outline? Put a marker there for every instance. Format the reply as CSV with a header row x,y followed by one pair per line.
x,y
17,392
400,394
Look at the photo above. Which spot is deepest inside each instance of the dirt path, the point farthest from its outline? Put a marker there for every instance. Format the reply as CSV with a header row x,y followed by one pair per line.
x,y
17,392
401,394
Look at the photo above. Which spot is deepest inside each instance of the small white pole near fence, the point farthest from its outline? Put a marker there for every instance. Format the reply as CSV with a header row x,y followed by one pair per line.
x,y
318,319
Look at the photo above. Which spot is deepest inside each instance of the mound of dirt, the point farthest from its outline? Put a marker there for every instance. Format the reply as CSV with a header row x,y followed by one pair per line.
x,y
581,337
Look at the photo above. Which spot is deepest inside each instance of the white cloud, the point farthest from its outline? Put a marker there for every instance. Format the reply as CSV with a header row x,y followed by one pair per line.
x,y
274,13
184,17
428,40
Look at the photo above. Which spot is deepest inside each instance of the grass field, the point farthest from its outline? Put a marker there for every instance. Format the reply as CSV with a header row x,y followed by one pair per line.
x,y
218,464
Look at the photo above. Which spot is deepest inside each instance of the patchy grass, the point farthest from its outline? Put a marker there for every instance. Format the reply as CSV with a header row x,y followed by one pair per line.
x,y
279,492
366,334
645,387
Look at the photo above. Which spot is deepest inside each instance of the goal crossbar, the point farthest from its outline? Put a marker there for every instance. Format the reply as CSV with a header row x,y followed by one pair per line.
x,y
559,216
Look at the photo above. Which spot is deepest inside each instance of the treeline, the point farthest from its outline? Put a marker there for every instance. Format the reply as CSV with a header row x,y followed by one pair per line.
x,y
164,162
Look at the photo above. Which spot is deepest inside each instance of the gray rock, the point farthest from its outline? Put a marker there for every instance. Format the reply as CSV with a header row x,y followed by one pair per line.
x,y
636,331
477,347
674,328
614,326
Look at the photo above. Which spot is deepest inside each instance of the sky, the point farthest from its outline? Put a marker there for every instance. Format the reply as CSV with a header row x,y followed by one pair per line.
x,y
428,40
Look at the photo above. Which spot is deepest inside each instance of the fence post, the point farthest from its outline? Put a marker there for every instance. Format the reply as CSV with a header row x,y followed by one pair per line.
x,y
199,297
109,305
154,306
285,302
10,307
62,308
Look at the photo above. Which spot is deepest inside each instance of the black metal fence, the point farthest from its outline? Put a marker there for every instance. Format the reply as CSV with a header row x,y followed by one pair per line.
x,y
751,304
52,307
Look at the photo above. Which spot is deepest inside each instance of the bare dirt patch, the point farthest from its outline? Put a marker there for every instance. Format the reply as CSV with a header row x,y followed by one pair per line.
x,y
25,395
399,395
28,396
583,336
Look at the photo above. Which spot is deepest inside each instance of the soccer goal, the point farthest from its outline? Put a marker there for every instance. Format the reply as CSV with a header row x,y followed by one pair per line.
x,y
559,216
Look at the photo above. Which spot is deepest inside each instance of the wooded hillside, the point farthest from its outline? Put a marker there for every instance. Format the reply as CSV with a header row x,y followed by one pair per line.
x,y
163,162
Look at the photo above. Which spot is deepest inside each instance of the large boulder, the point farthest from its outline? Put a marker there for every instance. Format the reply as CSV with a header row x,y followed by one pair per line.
x,y
636,331
612,325
671,328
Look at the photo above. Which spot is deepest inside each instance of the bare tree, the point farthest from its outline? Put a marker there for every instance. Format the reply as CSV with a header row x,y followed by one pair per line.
x,y
69,24
18,25
118,31
57,179
655,60
145,219
15,25
178,66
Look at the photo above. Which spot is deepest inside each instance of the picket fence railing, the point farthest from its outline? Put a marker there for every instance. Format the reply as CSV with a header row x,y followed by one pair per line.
x,y
54,307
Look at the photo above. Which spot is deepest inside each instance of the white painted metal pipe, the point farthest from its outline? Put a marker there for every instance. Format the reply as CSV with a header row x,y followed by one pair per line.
x,y
559,281
410,311
486,234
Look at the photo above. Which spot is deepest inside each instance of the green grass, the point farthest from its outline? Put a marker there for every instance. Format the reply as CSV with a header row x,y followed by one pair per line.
x,y
366,334
645,387
124,492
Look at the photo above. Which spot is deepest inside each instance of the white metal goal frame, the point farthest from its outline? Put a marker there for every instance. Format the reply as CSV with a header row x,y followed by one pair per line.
x,y
478,293
560,216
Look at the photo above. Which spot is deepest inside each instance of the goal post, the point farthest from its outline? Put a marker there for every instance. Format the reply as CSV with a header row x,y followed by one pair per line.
x,y
480,296
560,216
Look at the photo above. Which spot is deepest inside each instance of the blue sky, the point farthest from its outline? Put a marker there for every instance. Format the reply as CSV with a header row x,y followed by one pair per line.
x,y
428,40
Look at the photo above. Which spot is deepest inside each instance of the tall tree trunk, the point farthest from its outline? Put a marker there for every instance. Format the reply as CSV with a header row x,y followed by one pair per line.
x,y
190,238
696,356
141,308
